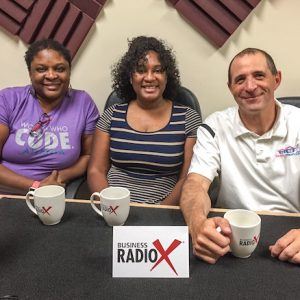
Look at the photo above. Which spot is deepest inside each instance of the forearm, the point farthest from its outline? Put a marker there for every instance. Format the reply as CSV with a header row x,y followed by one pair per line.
x,y
195,202
97,180
13,180
77,170
174,196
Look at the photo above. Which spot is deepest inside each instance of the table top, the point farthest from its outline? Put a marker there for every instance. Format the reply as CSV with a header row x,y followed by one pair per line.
x,y
73,260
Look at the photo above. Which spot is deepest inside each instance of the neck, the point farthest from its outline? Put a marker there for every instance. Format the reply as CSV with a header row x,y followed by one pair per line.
x,y
260,122
156,105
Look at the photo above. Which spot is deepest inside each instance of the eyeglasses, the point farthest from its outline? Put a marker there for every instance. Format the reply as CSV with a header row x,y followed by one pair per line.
x,y
38,128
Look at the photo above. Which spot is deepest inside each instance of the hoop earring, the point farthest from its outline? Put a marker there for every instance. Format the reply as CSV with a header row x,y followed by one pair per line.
x,y
32,91
69,92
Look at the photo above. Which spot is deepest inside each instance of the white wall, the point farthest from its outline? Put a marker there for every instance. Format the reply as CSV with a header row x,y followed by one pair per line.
x,y
272,26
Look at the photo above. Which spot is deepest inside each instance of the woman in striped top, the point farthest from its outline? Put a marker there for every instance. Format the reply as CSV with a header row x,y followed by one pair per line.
x,y
146,143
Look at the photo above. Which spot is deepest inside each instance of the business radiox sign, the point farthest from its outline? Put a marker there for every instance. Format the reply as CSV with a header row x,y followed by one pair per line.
x,y
150,251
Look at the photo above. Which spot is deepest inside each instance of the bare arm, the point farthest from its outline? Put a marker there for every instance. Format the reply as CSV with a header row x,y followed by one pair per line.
x,y
208,243
80,167
173,198
100,162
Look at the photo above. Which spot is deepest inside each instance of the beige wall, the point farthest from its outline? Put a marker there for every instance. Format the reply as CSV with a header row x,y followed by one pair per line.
x,y
273,26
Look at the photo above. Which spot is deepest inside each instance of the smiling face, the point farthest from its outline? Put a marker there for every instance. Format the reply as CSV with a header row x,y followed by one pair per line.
x,y
252,84
50,75
149,79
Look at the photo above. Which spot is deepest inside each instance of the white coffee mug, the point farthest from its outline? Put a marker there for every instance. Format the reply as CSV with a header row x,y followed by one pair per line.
x,y
49,203
245,227
114,205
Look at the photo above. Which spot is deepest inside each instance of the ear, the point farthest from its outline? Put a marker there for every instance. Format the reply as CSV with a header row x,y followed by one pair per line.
x,y
277,79
30,75
229,86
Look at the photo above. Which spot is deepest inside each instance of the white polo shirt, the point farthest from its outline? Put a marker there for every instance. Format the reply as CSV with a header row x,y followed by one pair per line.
x,y
256,172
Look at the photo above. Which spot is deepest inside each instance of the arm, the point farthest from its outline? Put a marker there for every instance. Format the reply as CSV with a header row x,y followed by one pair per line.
x,y
11,179
100,162
173,198
208,243
79,168
287,248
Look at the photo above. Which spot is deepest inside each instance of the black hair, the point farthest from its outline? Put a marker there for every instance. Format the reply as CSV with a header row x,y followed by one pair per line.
x,y
40,45
138,48
252,51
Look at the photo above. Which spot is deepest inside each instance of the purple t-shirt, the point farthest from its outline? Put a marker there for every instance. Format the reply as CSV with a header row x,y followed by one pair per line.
x,y
58,146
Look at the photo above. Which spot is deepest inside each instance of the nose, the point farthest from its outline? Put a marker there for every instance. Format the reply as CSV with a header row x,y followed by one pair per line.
x,y
51,74
149,75
250,84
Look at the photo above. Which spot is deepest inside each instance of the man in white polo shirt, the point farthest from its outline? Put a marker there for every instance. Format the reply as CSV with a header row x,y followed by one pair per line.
x,y
255,147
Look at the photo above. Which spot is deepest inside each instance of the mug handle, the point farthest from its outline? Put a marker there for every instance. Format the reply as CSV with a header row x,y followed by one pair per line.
x,y
30,193
95,208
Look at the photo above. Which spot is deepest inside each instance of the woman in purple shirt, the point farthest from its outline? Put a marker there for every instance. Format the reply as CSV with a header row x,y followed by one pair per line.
x,y
46,128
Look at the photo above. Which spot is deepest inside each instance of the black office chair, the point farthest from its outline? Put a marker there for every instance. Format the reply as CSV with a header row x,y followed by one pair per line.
x,y
73,187
184,96
290,100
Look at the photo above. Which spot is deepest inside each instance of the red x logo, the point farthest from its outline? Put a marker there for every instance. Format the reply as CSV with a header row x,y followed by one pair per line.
x,y
256,238
46,210
165,253
113,210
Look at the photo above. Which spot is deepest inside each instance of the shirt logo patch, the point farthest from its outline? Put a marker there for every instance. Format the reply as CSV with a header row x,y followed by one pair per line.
x,y
288,151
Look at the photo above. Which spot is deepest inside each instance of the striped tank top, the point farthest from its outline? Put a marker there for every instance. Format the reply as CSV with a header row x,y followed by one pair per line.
x,y
147,163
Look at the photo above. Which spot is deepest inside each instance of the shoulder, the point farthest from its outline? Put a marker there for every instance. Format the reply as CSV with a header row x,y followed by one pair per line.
x,y
15,96
116,110
15,91
178,107
219,122
291,115
219,118
80,95
121,108
290,111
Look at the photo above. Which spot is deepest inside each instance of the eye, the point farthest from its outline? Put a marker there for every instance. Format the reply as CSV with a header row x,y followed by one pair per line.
x,y
259,76
60,69
41,69
158,70
140,69
239,80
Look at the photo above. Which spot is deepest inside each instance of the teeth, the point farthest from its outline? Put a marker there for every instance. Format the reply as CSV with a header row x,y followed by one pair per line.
x,y
150,87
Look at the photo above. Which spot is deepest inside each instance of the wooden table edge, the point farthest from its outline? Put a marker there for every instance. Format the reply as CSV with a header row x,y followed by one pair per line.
x,y
176,207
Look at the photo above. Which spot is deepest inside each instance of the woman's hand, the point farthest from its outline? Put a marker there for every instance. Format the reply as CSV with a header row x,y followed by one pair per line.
x,y
52,179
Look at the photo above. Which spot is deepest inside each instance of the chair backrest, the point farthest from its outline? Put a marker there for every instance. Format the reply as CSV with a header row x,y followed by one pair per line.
x,y
184,96
290,100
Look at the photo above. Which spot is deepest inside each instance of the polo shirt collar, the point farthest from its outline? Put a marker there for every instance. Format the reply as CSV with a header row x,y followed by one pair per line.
x,y
279,129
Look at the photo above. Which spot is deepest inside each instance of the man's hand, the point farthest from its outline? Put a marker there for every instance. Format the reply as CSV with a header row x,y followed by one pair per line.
x,y
52,179
287,248
208,243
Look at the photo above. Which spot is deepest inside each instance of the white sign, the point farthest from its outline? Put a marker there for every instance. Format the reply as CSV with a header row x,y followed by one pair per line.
x,y
151,251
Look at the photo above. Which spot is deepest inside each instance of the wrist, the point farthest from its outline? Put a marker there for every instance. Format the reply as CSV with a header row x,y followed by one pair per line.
x,y
36,184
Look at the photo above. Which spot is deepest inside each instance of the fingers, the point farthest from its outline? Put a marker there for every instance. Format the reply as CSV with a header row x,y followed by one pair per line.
x,y
223,224
211,233
209,244
54,175
52,179
287,248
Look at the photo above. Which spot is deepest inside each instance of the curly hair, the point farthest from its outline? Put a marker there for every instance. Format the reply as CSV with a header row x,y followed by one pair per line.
x,y
138,48
41,45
